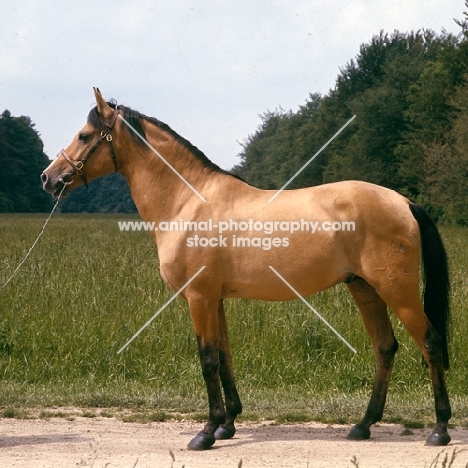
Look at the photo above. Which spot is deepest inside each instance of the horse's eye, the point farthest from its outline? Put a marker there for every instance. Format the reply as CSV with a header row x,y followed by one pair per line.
x,y
84,137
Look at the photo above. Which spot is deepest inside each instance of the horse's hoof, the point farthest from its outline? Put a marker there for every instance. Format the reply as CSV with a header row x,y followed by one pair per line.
x,y
437,439
202,441
225,432
358,432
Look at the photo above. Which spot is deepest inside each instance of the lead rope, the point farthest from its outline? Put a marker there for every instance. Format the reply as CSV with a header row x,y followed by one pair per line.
x,y
37,238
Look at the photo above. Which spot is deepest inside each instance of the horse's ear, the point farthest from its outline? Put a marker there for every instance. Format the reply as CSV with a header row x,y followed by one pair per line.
x,y
103,108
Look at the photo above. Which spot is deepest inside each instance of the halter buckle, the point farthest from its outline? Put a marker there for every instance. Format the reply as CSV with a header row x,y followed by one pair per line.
x,y
106,135
78,167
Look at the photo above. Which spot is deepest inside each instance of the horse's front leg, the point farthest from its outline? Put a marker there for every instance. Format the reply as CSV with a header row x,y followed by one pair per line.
x,y
233,403
204,315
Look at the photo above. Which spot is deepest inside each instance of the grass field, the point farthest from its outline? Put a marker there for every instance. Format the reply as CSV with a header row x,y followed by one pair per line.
x,y
87,288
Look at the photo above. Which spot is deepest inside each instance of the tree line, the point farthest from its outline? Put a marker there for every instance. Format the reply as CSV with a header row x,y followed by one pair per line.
x,y
409,92
22,160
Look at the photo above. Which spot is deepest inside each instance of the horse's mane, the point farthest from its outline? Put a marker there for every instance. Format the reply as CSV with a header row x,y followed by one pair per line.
x,y
134,118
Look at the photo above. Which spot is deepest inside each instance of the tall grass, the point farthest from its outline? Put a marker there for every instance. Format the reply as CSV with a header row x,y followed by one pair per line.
x,y
87,288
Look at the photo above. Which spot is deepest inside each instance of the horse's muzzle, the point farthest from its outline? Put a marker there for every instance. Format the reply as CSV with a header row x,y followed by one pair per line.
x,y
54,185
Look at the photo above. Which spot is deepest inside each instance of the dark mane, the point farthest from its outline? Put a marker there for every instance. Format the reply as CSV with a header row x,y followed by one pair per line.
x,y
134,118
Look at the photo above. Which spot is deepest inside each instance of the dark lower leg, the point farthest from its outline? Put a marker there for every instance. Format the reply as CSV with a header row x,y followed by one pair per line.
x,y
232,400
433,356
374,314
376,405
210,367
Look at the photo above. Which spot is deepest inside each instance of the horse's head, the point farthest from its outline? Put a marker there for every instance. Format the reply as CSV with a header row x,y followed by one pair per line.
x,y
89,155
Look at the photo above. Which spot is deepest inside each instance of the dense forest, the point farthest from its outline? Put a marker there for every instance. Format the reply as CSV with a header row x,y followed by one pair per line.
x,y
22,159
409,92
109,194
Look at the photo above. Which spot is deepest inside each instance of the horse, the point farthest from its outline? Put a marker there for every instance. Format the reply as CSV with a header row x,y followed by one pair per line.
x,y
172,181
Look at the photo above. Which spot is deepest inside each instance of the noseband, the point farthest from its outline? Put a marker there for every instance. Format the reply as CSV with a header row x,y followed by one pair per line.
x,y
77,166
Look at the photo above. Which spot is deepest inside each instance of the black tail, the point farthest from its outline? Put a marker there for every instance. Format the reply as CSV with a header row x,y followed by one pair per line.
x,y
436,277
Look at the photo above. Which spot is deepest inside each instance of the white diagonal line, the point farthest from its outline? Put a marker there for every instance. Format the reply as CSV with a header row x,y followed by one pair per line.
x,y
161,309
311,159
312,309
155,151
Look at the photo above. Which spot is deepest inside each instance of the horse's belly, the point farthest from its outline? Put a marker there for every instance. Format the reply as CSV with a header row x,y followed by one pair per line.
x,y
277,283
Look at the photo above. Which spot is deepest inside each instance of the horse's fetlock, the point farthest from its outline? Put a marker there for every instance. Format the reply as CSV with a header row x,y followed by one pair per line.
x,y
219,416
234,407
444,413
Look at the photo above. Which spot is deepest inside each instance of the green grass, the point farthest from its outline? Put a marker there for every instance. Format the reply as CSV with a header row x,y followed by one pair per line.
x,y
87,288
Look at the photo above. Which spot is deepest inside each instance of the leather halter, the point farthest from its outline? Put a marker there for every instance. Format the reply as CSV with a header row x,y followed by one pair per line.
x,y
77,166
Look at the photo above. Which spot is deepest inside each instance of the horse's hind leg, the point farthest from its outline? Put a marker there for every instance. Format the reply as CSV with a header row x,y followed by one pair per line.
x,y
232,400
429,343
374,314
439,435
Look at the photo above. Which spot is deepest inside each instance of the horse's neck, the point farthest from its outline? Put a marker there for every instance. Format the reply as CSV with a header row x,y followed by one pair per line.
x,y
160,189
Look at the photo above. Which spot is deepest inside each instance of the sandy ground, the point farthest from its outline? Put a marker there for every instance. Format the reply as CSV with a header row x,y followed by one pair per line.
x,y
108,442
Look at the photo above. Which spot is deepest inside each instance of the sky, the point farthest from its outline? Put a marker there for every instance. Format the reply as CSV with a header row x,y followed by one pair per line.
x,y
207,68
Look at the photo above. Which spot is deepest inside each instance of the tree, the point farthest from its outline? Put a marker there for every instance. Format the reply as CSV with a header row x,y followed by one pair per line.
x,y
108,194
410,95
22,161
446,162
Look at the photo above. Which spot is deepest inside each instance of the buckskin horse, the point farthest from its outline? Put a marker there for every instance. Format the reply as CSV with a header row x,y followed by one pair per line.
x,y
170,179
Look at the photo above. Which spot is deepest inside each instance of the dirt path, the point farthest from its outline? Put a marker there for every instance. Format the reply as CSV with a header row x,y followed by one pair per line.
x,y
107,442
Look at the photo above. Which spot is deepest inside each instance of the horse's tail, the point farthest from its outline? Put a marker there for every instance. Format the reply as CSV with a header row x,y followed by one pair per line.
x,y
436,277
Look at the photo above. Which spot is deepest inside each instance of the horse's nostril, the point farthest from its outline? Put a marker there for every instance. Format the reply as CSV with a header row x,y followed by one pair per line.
x,y
44,177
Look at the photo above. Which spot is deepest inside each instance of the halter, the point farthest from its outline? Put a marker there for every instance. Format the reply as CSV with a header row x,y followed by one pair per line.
x,y
77,166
